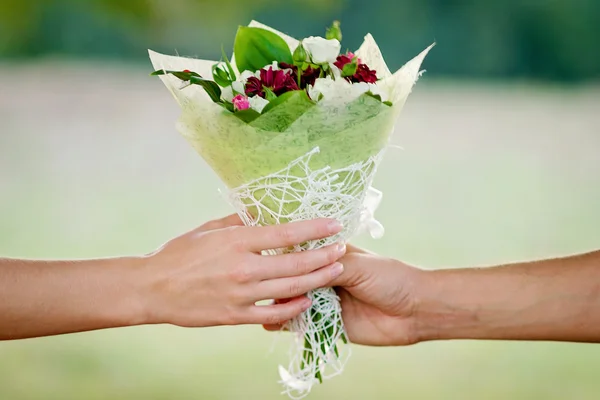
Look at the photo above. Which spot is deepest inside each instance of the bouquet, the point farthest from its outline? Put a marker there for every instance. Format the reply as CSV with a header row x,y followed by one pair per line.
x,y
296,130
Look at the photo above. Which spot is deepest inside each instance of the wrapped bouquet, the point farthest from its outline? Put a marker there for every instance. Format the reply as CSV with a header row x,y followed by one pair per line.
x,y
296,130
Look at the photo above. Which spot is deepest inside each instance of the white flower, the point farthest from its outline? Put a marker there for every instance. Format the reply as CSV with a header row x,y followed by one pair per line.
x,y
322,86
247,74
227,94
321,50
335,71
337,91
238,86
257,103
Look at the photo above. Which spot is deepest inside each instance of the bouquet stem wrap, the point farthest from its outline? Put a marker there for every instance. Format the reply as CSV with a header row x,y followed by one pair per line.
x,y
300,161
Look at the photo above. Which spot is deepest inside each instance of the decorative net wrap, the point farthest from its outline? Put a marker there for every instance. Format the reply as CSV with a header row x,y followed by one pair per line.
x,y
323,193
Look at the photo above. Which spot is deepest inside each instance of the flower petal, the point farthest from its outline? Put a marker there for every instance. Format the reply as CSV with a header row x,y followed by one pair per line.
x,y
322,51
257,103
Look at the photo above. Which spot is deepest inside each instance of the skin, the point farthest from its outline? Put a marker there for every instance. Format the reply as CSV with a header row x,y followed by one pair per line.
x,y
388,303
210,276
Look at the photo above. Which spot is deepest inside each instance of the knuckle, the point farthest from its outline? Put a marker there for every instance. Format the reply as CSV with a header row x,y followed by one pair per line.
x,y
234,236
287,234
242,273
295,288
299,264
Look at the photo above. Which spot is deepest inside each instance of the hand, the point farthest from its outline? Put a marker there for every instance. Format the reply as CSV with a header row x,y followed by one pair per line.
x,y
215,274
378,302
377,296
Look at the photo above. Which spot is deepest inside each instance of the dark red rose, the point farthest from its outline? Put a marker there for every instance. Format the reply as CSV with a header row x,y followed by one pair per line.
x,y
364,74
342,60
309,76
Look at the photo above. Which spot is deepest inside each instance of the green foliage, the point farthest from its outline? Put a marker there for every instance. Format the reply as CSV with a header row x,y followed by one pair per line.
x,y
212,89
255,48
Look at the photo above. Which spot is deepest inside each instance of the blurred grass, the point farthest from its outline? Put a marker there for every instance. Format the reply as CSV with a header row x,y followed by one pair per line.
x,y
91,165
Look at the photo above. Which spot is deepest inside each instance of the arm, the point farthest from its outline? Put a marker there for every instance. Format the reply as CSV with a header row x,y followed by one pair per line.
x,y
388,303
39,298
210,276
555,299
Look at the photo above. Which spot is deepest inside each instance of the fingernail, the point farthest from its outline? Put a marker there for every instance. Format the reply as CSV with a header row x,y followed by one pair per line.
x,y
306,303
334,227
336,270
341,248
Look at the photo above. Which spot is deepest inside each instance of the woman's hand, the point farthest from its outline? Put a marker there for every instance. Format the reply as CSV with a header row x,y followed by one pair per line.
x,y
215,274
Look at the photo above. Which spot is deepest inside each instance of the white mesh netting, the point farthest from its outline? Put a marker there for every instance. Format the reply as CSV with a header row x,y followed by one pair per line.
x,y
300,193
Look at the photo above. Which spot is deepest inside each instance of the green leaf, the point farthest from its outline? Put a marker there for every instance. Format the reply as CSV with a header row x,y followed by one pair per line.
x,y
232,76
248,115
254,48
349,69
212,89
183,75
282,99
378,97
269,95
280,113
228,106
220,76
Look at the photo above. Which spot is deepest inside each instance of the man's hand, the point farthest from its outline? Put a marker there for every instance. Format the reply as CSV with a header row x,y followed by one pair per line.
x,y
386,302
378,299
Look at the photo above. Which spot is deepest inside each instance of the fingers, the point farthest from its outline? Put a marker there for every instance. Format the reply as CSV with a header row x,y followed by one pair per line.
x,y
285,235
296,286
277,313
301,263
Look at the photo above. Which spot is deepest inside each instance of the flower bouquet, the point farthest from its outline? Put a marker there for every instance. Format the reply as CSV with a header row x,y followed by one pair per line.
x,y
296,131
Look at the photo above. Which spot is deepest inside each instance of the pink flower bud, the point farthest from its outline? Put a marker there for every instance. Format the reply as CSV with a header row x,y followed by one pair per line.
x,y
240,102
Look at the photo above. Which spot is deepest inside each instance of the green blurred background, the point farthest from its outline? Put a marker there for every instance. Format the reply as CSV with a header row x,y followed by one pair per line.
x,y
501,162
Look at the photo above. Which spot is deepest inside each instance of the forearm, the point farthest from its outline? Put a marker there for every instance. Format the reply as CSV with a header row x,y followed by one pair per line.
x,y
557,300
40,298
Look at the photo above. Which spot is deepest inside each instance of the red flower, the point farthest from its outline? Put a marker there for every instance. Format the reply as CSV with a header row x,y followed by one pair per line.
x,y
254,87
364,74
342,60
309,75
278,81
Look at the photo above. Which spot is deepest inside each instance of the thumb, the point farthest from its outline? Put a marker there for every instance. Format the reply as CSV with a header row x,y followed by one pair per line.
x,y
221,223
354,270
